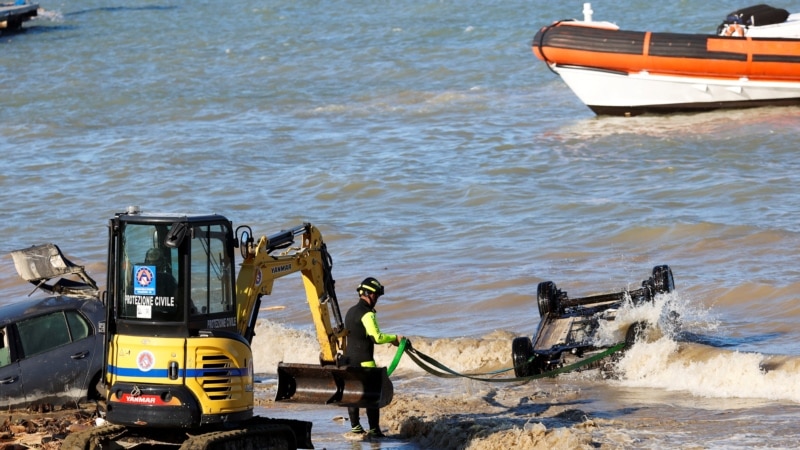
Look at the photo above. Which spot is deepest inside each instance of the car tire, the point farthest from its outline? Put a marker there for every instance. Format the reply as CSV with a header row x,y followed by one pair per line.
x,y
663,281
547,298
97,389
636,330
521,354
609,370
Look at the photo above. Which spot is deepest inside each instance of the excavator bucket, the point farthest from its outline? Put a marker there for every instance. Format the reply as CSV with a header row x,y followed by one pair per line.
x,y
363,387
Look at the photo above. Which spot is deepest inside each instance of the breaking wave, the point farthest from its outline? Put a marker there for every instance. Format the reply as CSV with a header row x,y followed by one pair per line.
x,y
673,358
691,356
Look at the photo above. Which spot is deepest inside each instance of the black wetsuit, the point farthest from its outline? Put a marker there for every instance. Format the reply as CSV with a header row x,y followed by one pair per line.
x,y
359,353
360,347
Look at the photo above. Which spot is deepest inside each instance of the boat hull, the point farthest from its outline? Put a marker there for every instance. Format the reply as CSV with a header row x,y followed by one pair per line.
x,y
629,94
622,72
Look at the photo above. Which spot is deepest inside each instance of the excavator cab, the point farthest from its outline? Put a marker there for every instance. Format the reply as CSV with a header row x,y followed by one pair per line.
x,y
174,356
172,287
180,322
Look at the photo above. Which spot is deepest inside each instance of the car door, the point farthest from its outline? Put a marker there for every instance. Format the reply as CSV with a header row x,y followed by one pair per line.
x,y
11,392
55,368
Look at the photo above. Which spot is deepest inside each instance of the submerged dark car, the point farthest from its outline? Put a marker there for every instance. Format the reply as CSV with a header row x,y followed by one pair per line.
x,y
567,331
51,349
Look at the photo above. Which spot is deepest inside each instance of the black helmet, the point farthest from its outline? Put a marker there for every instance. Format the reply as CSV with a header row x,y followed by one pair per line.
x,y
370,285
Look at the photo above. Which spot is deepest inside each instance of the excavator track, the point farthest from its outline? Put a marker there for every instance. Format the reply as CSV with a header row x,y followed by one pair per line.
x,y
256,434
273,437
92,438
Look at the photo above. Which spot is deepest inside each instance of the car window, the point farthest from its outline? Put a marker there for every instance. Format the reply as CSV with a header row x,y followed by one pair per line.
x,y
78,326
43,333
5,350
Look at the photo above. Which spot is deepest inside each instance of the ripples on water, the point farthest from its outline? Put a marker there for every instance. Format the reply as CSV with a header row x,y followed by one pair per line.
x,y
424,139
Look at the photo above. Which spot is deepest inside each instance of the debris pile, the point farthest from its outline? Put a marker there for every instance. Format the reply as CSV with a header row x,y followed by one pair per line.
x,y
42,428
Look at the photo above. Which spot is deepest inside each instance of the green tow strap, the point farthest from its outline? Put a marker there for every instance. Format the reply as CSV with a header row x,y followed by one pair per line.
x,y
400,349
427,364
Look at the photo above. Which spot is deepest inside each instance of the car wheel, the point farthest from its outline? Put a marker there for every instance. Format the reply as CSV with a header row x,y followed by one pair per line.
x,y
635,331
521,354
97,389
547,298
663,281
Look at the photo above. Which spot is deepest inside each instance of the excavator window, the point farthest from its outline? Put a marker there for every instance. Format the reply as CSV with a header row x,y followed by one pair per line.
x,y
211,271
149,285
189,281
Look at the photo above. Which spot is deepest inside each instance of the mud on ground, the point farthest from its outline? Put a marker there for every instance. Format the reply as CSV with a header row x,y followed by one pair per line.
x,y
493,420
488,420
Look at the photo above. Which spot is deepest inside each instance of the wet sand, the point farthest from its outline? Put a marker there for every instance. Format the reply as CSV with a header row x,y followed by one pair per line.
x,y
576,411
573,411
487,420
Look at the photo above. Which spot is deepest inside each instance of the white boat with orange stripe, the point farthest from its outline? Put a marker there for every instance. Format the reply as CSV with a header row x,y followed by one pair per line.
x,y
753,60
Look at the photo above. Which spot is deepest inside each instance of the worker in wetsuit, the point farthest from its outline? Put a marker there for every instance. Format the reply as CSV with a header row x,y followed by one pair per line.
x,y
364,334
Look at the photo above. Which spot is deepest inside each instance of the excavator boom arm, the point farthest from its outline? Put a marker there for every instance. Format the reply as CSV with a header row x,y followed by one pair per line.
x,y
330,382
261,268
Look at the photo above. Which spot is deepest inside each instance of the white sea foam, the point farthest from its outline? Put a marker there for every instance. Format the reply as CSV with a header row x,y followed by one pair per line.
x,y
709,372
275,342
664,359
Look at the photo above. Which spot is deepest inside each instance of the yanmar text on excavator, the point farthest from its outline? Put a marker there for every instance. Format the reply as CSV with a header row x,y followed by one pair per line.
x,y
179,327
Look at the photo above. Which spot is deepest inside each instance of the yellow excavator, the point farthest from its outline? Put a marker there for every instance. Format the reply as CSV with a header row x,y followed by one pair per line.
x,y
179,328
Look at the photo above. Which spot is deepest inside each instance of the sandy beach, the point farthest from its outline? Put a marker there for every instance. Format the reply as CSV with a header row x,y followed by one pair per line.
x,y
489,420
574,411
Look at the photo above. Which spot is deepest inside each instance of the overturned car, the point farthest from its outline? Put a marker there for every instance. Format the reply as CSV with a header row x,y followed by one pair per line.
x,y
568,329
